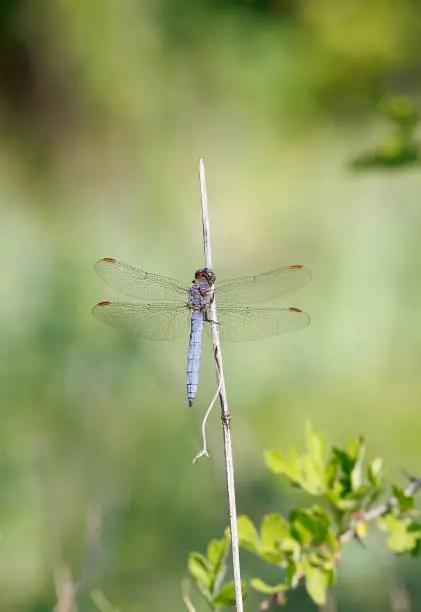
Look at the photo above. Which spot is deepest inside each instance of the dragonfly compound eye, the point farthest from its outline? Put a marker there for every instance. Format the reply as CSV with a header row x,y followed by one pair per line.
x,y
205,273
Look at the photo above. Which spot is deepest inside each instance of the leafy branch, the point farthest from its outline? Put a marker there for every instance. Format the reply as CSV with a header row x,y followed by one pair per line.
x,y
307,546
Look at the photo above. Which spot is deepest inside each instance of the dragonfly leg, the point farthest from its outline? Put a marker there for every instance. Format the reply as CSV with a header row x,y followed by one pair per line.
x,y
205,318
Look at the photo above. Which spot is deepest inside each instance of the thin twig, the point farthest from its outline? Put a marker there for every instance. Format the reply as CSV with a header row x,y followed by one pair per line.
x,y
93,543
66,587
66,590
379,510
330,605
204,450
225,415
190,607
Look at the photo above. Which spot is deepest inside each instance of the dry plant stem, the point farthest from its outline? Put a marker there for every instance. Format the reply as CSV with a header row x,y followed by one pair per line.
x,y
225,415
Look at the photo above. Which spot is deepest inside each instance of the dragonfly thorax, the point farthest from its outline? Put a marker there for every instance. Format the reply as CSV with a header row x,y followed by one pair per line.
x,y
200,292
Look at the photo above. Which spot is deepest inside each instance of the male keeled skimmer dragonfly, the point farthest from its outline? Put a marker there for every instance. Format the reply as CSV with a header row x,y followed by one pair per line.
x,y
172,308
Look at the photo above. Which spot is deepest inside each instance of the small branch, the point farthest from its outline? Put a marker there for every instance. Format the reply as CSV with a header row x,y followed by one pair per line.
x,y
93,543
186,598
225,415
378,511
65,589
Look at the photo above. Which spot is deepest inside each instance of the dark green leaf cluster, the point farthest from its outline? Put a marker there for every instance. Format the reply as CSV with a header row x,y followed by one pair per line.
x,y
307,546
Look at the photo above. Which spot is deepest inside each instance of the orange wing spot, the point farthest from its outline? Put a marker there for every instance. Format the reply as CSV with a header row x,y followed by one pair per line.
x,y
103,303
292,309
296,267
109,260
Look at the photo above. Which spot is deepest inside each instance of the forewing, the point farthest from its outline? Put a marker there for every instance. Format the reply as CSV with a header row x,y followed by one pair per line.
x,y
237,324
154,321
139,284
263,287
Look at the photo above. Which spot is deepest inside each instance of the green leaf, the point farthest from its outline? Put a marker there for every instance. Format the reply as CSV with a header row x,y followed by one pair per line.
x,y
404,534
331,470
406,502
375,471
273,530
354,448
291,546
275,461
290,467
357,472
310,525
262,587
344,461
399,109
361,529
313,476
198,567
247,534
217,553
226,596
317,582
316,444
294,573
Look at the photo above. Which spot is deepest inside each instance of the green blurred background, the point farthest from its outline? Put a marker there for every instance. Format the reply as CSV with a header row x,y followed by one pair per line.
x,y
105,107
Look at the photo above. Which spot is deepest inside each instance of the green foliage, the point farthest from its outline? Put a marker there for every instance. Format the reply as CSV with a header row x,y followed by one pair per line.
x,y
209,572
307,546
400,147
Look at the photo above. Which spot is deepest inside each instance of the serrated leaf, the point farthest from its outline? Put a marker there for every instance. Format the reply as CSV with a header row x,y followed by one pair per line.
x,y
317,582
226,596
247,534
198,567
262,587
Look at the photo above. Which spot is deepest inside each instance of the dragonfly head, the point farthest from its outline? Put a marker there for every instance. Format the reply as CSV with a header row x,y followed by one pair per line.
x,y
205,273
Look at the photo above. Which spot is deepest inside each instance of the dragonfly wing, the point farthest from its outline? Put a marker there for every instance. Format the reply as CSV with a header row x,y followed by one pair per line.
x,y
154,321
263,287
137,283
245,323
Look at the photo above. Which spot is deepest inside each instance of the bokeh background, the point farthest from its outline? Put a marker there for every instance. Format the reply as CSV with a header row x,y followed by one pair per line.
x,y
105,108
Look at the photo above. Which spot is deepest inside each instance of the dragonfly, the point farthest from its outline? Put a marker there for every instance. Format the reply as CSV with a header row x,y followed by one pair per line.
x,y
171,309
